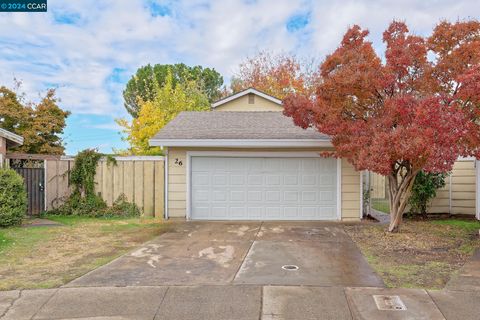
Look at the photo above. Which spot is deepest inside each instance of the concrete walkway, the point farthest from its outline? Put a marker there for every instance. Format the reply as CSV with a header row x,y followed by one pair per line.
x,y
235,302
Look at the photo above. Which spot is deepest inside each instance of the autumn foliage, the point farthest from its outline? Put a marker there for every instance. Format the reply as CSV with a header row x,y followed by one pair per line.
x,y
417,109
277,75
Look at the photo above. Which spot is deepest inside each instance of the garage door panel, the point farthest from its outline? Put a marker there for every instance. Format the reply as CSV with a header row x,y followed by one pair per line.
x,y
290,196
309,196
237,180
273,180
220,180
200,179
255,212
255,195
290,180
255,180
201,195
272,196
225,188
219,195
237,195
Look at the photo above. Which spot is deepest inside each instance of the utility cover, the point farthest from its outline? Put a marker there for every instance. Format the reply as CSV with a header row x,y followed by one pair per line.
x,y
389,303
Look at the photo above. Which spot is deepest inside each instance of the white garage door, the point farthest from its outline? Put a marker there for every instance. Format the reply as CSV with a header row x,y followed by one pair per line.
x,y
249,188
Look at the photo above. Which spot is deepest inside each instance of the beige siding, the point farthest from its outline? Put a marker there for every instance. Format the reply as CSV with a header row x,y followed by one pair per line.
x,y
141,181
177,189
458,195
241,104
177,182
350,192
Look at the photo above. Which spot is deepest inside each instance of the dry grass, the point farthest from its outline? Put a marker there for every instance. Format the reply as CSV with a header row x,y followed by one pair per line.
x,y
46,257
425,254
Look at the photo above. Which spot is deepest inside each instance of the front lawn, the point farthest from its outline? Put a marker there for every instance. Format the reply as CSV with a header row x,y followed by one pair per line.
x,y
46,257
425,254
381,205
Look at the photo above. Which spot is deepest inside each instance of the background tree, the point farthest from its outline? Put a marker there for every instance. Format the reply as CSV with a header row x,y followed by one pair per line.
x,y
168,101
141,87
425,189
405,114
39,124
277,75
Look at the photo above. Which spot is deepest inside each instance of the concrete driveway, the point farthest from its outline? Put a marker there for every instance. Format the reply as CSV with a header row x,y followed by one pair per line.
x,y
221,271
257,253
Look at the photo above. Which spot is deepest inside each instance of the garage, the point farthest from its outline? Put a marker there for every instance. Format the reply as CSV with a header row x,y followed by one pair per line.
x,y
290,187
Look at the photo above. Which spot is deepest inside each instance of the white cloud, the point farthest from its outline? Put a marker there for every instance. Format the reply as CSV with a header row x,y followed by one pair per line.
x,y
80,57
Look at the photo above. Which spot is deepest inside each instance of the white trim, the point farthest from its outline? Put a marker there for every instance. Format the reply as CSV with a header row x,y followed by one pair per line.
x,y
11,136
165,181
241,143
477,184
292,154
245,92
188,179
339,189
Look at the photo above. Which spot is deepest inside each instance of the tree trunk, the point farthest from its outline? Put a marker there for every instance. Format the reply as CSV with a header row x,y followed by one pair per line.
x,y
400,186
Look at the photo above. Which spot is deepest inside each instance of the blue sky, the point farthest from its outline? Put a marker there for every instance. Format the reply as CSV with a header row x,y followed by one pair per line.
x,y
88,49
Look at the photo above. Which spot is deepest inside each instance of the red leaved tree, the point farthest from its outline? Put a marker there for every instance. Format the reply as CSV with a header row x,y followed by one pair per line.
x,y
418,109
277,75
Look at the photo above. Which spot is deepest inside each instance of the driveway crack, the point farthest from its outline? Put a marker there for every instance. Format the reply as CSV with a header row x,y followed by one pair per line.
x,y
248,251
11,304
161,303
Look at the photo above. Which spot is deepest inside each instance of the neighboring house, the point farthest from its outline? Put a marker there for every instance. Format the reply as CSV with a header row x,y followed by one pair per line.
x,y
8,140
461,194
245,160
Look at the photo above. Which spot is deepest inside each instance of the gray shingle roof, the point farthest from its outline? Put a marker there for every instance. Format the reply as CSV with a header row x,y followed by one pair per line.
x,y
234,125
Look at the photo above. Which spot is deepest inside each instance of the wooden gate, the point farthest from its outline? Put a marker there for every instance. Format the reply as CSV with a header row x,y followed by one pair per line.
x,y
34,179
32,168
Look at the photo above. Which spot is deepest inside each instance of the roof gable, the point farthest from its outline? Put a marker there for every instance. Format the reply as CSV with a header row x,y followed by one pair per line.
x,y
244,93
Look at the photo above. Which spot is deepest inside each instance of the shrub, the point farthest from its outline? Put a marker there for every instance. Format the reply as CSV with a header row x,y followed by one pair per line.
x,y
122,208
424,189
13,198
91,206
83,201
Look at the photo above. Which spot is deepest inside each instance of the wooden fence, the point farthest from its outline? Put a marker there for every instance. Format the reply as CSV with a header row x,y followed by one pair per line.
x,y
140,179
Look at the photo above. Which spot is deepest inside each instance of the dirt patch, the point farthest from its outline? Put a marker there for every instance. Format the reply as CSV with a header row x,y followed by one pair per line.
x,y
45,257
425,254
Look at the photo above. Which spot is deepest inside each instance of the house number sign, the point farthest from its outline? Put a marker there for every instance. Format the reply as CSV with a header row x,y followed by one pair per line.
x,y
178,162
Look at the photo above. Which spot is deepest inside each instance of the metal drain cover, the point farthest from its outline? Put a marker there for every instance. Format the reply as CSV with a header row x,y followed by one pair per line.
x,y
390,303
290,267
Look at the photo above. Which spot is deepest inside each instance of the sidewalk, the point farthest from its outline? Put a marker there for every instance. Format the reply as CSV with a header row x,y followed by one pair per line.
x,y
235,302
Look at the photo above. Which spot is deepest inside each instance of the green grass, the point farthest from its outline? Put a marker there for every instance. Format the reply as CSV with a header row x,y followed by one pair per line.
x,y
4,241
424,254
50,256
381,205
467,225
73,220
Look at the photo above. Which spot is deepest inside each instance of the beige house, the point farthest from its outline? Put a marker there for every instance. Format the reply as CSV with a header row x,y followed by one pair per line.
x,y
245,160
8,140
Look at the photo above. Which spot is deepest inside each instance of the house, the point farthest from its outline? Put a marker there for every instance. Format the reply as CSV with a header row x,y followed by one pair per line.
x,y
245,160
8,140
